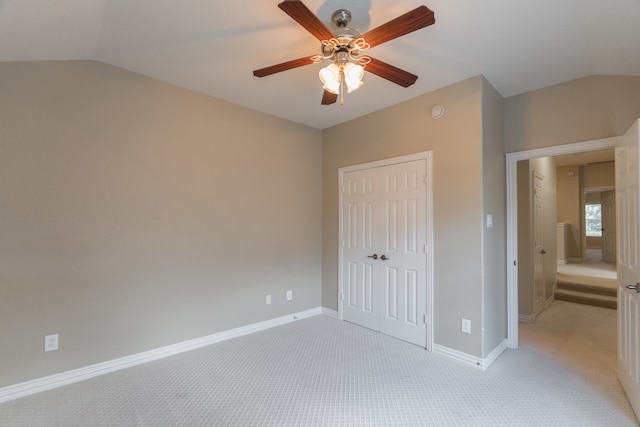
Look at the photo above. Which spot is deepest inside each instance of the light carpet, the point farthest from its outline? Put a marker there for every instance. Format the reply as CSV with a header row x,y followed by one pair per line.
x,y
323,372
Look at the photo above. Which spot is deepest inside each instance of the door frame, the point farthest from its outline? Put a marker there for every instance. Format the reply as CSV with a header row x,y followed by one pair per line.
x,y
606,232
512,217
427,157
583,221
538,279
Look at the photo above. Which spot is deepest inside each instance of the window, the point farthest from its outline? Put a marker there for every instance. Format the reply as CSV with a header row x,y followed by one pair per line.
x,y
593,219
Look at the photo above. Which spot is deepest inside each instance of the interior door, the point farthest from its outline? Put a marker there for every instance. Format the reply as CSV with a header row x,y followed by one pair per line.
x,y
538,243
359,246
383,263
402,244
608,200
628,221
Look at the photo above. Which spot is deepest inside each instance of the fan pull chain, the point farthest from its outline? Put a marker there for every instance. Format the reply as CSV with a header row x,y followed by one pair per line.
x,y
341,87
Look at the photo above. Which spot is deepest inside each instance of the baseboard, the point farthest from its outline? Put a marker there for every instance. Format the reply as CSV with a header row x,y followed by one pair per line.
x,y
495,353
472,360
549,300
529,318
329,312
526,318
57,380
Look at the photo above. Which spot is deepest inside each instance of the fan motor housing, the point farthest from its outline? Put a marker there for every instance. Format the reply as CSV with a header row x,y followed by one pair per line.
x,y
341,18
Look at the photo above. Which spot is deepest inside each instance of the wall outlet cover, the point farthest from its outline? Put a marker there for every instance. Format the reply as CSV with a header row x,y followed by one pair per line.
x,y
466,326
51,342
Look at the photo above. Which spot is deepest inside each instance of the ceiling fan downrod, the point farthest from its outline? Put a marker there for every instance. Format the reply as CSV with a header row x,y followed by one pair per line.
x,y
341,18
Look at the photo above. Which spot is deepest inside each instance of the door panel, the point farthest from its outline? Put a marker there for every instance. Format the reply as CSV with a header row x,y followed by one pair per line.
x,y
391,287
405,233
411,290
628,218
391,225
360,238
609,226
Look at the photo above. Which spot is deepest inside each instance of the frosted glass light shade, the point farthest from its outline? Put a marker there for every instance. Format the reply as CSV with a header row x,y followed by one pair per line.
x,y
330,78
353,75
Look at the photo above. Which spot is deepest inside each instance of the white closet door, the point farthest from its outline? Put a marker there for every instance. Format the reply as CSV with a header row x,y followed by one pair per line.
x,y
403,296
360,241
384,250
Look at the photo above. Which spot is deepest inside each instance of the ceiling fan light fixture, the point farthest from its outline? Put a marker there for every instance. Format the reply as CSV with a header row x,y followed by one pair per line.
x,y
330,78
333,76
353,75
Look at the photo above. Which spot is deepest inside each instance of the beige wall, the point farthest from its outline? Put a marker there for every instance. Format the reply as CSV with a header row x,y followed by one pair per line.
x,y
597,176
457,144
136,214
580,110
569,189
494,256
600,175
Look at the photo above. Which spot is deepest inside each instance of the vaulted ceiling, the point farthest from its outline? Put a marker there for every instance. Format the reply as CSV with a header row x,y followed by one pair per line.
x,y
212,46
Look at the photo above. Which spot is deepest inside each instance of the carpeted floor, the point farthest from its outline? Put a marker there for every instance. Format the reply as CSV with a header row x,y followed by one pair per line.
x,y
320,371
591,282
588,280
593,267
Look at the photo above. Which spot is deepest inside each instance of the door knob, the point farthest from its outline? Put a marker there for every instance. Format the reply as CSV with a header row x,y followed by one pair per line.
x,y
636,287
384,257
374,256
543,252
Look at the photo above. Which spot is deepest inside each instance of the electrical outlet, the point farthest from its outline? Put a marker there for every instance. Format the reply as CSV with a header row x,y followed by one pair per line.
x,y
268,299
51,342
466,326
289,295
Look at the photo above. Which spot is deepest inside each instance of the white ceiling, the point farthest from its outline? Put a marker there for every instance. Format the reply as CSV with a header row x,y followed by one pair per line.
x,y
212,46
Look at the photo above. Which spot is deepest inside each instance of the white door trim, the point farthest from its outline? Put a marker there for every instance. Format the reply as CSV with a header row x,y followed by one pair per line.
x,y
427,157
512,217
583,201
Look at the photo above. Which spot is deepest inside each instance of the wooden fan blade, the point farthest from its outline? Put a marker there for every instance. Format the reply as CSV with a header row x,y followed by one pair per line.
x,y
391,73
416,19
329,98
303,16
283,66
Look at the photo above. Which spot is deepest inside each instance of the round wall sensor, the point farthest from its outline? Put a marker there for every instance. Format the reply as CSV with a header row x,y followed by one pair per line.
x,y
437,111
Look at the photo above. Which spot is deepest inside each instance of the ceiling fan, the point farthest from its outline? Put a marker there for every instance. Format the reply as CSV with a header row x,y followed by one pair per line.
x,y
346,47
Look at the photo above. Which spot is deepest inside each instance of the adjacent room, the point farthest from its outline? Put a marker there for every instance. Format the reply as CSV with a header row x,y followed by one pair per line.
x,y
192,235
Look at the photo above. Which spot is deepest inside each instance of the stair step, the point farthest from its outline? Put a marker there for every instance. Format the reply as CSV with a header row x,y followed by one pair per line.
x,y
599,300
581,287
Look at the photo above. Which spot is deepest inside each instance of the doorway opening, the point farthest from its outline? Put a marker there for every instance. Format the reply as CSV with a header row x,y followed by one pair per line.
x,y
512,217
